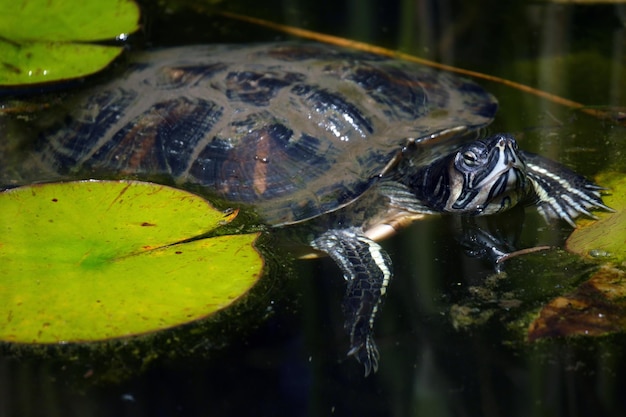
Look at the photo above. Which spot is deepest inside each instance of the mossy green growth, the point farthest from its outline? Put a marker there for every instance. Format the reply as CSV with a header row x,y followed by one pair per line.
x,y
43,41
95,260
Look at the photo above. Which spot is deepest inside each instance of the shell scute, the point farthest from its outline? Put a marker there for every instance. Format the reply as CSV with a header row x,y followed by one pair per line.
x,y
334,112
163,136
393,90
184,76
258,88
69,144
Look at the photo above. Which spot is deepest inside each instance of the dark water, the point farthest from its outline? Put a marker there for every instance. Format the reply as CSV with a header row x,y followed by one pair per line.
x,y
433,362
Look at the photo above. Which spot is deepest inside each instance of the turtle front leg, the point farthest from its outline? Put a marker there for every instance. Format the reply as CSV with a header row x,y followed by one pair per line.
x,y
366,268
561,193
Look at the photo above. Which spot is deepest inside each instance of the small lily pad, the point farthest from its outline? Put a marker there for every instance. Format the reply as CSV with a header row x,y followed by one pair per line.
x,y
605,238
93,260
43,41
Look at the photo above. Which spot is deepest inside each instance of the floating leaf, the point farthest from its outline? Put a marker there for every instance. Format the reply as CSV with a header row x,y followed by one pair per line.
x,y
34,63
43,41
606,237
92,260
67,20
595,308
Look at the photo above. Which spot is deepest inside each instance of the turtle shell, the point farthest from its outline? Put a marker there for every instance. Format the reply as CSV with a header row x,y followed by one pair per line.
x,y
296,130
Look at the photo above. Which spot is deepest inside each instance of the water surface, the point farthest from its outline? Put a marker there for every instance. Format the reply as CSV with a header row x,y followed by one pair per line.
x,y
449,334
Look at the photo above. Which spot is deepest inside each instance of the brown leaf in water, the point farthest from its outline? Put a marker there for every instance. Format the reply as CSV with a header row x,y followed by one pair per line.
x,y
597,307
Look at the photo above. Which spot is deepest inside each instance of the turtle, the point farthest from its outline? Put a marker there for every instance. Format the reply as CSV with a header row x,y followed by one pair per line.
x,y
349,145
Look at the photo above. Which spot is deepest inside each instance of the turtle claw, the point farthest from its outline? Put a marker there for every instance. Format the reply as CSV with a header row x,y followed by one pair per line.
x,y
561,193
366,354
568,207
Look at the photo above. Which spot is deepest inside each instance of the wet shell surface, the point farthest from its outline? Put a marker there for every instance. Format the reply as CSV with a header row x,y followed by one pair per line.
x,y
296,130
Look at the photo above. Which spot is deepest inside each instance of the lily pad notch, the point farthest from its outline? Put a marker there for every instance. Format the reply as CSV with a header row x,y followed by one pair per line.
x,y
97,260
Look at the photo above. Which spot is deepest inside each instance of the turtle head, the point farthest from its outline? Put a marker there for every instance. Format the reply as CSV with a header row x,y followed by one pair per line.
x,y
483,177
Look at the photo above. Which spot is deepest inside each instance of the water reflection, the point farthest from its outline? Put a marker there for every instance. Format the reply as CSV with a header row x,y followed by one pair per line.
x,y
295,364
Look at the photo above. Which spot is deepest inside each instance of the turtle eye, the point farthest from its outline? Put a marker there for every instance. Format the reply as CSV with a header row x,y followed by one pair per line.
x,y
470,158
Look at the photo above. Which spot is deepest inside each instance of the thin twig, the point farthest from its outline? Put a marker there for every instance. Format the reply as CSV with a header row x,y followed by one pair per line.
x,y
336,40
521,252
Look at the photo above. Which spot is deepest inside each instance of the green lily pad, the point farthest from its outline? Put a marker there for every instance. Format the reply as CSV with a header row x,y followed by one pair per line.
x,y
93,260
35,63
68,20
44,41
606,237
